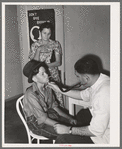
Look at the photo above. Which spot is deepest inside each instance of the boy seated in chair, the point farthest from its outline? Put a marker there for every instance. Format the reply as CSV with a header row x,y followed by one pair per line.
x,y
40,106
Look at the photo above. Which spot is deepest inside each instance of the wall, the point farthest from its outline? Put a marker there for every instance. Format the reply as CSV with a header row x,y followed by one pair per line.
x,y
13,74
87,31
24,35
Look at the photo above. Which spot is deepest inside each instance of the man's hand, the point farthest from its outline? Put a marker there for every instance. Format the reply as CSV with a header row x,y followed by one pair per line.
x,y
54,86
61,129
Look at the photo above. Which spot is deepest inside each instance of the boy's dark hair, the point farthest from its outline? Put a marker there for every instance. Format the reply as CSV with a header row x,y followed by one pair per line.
x,y
46,25
86,66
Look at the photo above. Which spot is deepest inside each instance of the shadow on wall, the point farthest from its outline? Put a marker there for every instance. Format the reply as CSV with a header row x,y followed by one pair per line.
x,y
99,62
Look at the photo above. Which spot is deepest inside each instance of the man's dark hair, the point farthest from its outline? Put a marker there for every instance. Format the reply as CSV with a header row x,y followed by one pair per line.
x,y
86,66
46,25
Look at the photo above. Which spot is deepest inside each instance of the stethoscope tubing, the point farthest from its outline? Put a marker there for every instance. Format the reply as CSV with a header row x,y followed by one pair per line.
x,y
69,88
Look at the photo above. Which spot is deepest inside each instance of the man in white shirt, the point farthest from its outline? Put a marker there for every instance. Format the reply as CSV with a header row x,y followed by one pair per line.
x,y
96,90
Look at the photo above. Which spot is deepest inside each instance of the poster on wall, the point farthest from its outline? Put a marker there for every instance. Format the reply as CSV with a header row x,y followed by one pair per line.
x,y
35,19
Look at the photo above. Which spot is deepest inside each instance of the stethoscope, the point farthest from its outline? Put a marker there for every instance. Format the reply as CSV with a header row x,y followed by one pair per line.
x,y
64,89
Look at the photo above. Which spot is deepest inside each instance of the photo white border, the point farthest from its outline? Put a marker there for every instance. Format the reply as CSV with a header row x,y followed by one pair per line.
x,y
114,69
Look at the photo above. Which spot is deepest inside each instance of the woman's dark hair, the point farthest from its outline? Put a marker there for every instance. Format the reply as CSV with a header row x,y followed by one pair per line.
x,y
46,25
86,65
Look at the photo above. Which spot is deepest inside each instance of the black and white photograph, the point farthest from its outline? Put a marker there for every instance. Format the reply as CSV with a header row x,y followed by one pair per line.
x,y
60,74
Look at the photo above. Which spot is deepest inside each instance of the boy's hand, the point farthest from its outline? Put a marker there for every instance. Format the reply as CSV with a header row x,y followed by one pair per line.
x,y
61,129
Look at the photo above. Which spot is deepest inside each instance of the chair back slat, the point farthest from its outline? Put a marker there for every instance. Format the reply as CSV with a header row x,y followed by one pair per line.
x,y
21,103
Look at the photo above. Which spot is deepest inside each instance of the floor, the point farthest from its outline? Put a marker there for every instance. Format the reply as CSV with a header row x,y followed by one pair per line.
x,y
14,129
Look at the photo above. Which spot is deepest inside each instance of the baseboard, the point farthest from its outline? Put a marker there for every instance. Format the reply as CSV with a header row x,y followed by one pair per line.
x,y
14,97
